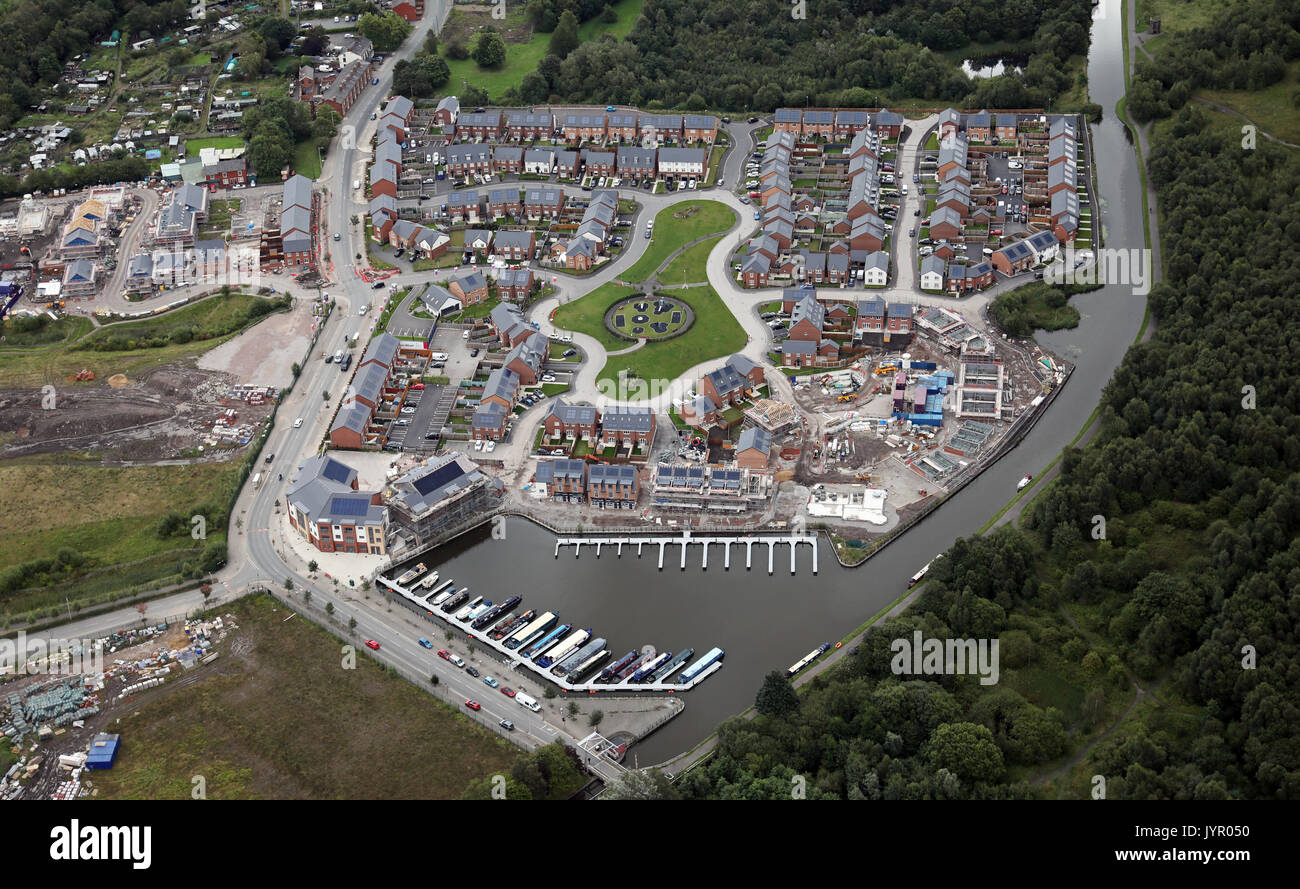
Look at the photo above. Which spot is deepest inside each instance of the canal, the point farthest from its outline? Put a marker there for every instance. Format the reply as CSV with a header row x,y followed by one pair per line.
x,y
766,623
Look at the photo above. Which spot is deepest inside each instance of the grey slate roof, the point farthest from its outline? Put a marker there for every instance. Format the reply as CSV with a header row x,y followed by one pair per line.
x,y
625,418
756,438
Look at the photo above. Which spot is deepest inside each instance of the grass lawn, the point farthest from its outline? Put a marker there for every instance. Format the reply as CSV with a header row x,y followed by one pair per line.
x,y
193,146
555,388
1272,108
678,225
587,314
41,331
690,266
715,333
241,727
522,57
477,310
306,159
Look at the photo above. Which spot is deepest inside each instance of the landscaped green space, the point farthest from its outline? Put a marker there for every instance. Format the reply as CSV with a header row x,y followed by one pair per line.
x,y
714,334
690,266
241,727
587,314
41,330
1036,306
675,227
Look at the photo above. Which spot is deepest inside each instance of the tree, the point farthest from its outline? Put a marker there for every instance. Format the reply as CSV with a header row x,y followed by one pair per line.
x,y
565,38
596,717
776,697
329,608
306,595
573,708
456,51
288,585
352,623
534,90
641,784
967,750
278,34
431,43
433,680
386,31
550,692
312,566
490,50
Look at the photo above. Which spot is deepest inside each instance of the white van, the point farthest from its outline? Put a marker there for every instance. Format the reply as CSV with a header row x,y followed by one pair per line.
x,y
527,702
438,356
456,659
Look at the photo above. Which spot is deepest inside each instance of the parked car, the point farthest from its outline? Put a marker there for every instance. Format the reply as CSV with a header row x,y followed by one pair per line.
x,y
408,410
371,643
379,285
508,692
471,671
490,447
444,654
490,682
569,353
473,353
417,386
425,643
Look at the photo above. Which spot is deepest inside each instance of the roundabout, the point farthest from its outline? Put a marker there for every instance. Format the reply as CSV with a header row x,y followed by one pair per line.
x,y
642,316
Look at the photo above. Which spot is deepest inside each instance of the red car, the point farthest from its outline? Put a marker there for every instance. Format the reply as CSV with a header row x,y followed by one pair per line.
x,y
996,231
418,386
507,691
371,643
473,705
444,654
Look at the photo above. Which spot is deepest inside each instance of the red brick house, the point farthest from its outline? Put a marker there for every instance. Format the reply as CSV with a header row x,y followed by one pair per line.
x,y
410,10
469,287
564,420
611,487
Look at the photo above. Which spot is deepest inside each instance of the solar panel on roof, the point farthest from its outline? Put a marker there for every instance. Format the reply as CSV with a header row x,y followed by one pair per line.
x,y
439,477
350,506
336,472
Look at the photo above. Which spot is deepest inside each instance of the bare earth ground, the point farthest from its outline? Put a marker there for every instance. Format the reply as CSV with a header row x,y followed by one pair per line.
x,y
264,355
147,420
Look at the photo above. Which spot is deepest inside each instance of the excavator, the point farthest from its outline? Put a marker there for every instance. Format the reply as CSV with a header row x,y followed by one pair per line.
x,y
82,376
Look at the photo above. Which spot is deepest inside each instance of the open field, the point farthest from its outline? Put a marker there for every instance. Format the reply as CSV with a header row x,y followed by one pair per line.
x,y
587,314
676,226
715,333
1273,108
114,523
279,717
524,47
130,347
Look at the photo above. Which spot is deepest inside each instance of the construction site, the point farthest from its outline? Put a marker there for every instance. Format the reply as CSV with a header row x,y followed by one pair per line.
x,y
56,728
891,431
170,413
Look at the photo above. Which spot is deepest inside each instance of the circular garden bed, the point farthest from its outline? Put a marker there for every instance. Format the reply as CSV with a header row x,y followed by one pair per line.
x,y
657,317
